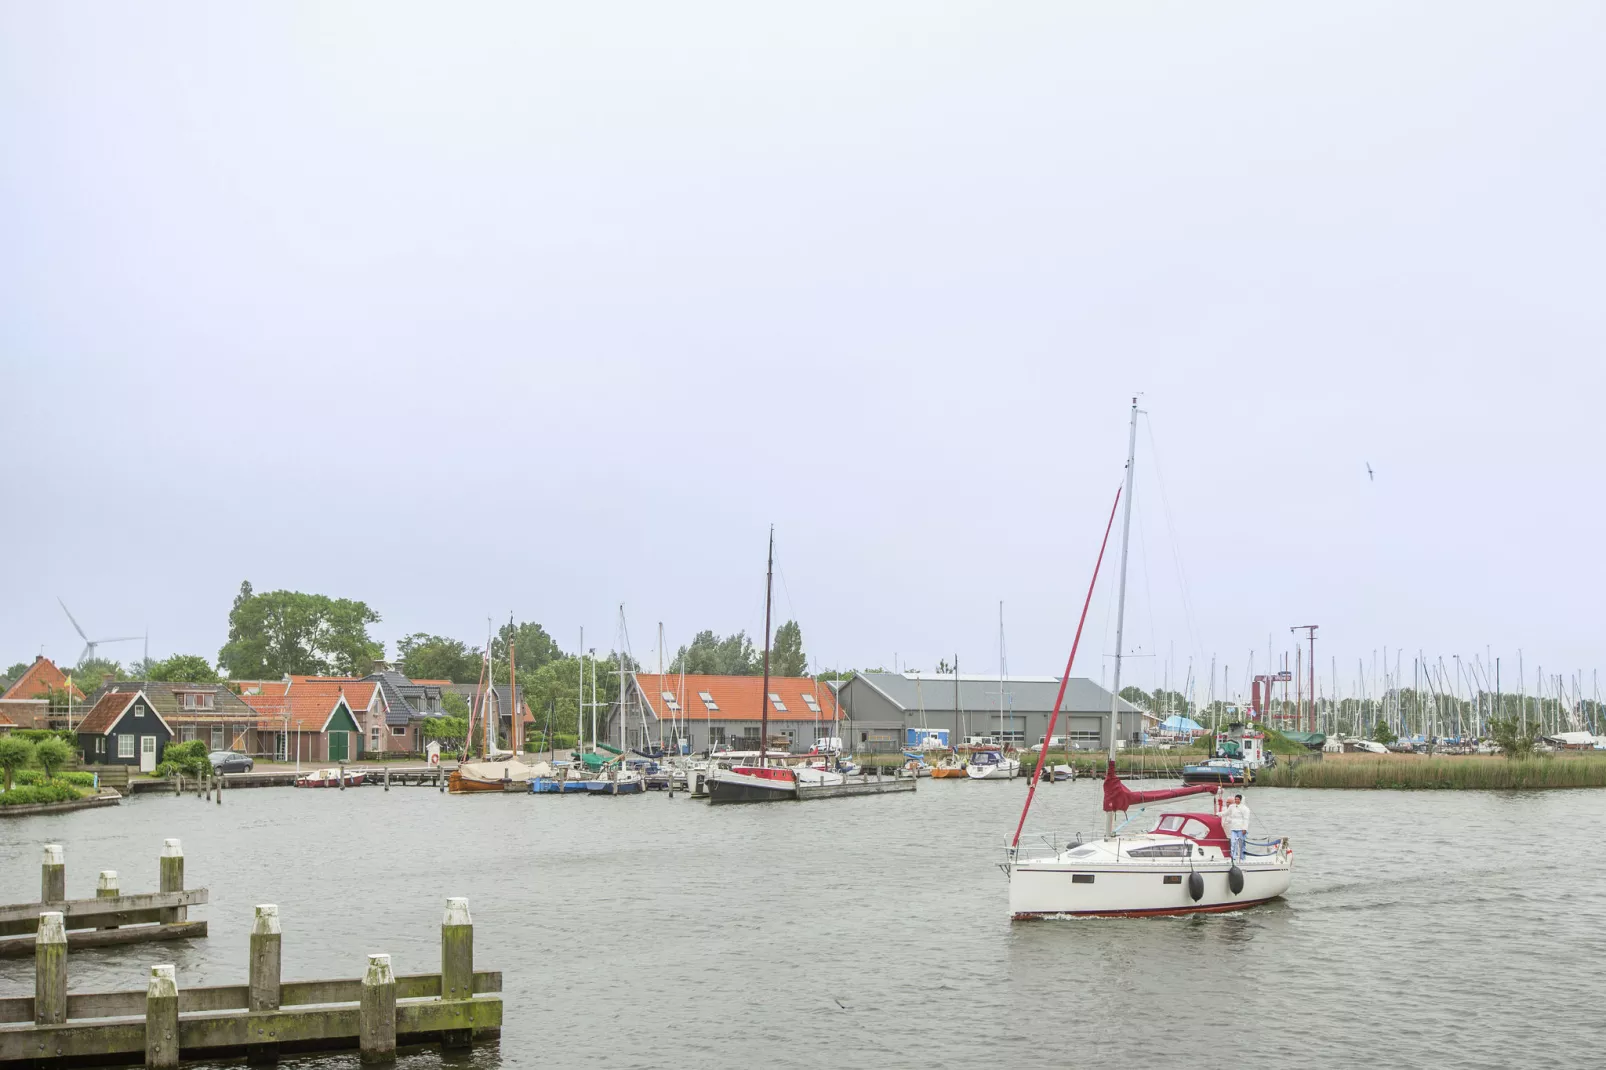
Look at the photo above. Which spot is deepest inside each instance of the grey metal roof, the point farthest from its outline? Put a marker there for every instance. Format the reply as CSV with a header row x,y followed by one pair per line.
x,y
397,709
979,694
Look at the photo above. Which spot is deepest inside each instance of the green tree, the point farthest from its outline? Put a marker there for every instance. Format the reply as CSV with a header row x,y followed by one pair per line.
x,y
533,648
15,753
1138,697
1513,738
455,705
15,672
290,632
1382,733
786,653
435,657
184,668
710,655
52,754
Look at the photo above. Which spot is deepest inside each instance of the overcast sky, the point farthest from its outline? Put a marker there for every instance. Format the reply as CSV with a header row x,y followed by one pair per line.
x,y
460,310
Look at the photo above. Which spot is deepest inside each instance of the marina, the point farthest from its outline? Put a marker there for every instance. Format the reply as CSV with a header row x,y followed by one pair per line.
x,y
896,872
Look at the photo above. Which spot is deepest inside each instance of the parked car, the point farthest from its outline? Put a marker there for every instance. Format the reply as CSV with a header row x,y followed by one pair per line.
x,y
230,761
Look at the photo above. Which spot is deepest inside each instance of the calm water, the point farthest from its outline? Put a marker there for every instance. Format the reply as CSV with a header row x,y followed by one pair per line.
x,y
1431,929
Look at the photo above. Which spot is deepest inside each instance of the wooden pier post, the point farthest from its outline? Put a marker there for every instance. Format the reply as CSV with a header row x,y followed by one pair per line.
x,y
376,1017
50,970
106,888
387,778
457,965
171,868
178,783
266,951
220,789
53,875
263,981
161,1018
342,776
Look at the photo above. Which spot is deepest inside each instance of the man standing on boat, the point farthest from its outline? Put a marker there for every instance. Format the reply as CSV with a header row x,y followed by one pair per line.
x,y
1235,819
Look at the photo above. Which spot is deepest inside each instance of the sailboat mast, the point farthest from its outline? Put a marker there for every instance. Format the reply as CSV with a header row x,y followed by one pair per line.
x,y
764,696
954,744
512,690
1120,603
622,645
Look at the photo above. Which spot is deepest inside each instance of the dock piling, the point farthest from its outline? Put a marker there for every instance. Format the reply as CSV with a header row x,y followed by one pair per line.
x,y
161,1018
387,778
376,1017
220,789
266,955
106,888
171,868
50,970
457,964
53,875
178,784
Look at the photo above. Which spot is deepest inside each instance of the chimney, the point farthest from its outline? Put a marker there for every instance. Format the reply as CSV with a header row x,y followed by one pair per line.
x,y
106,681
381,665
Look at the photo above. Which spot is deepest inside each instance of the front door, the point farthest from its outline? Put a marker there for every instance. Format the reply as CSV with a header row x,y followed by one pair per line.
x,y
147,753
337,746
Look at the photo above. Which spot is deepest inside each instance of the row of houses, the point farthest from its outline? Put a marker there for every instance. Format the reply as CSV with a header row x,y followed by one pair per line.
x,y
871,712
309,719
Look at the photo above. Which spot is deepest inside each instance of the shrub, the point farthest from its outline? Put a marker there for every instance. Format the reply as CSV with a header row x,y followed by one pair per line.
x,y
40,793
33,777
15,753
51,754
187,758
39,735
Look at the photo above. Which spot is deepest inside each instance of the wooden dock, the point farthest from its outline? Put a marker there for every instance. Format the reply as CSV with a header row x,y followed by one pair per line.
x,y
261,1019
209,787
863,785
110,917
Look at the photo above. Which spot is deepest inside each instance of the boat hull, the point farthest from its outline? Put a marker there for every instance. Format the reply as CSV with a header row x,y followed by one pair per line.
x,y
949,773
741,789
1002,771
1046,889
1200,774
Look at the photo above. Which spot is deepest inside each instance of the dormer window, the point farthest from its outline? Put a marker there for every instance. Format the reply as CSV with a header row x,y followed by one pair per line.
x,y
775,700
197,700
669,701
708,701
812,703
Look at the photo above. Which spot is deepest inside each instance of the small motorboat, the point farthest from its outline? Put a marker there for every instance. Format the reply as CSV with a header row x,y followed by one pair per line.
x,y
992,765
949,767
767,783
330,778
1219,771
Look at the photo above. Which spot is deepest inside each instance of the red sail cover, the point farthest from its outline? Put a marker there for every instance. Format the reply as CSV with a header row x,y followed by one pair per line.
x,y
1118,797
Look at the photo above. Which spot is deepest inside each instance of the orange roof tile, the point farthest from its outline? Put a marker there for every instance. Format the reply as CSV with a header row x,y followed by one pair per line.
x,y
434,683
737,697
111,706
309,702
40,677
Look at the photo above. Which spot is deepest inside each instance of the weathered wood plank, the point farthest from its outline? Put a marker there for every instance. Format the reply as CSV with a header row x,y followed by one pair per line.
x,y
22,946
19,1042
99,911
83,1005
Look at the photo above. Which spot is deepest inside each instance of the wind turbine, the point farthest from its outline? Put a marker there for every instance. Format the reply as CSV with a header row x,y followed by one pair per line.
x,y
91,644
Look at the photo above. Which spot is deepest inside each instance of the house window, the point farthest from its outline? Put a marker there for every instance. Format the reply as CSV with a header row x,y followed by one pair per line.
x,y
708,700
716,735
125,746
780,707
373,738
812,703
198,700
100,744
139,709
186,733
398,730
669,701
217,737
750,735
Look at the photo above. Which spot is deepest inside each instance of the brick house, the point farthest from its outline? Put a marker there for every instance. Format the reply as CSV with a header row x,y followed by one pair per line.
x,y
210,713
123,728
25,702
314,719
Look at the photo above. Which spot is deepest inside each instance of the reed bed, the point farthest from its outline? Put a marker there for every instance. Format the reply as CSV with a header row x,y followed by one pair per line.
x,y
1456,773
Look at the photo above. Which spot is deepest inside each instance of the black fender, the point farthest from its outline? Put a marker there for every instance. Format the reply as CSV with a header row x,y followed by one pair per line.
x,y
1235,879
1196,886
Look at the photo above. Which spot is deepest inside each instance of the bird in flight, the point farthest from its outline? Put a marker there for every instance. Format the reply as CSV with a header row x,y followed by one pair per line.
x,y
1370,478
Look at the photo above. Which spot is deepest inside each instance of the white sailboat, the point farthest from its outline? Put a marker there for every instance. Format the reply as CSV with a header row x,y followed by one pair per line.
x,y
996,764
1179,865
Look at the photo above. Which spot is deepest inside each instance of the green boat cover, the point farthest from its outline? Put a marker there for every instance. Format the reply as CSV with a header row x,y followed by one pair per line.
x,y
1310,740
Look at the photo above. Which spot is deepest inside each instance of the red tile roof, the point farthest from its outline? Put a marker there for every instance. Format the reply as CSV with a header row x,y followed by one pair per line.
x,y
433,683
40,677
110,707
309,702
737,697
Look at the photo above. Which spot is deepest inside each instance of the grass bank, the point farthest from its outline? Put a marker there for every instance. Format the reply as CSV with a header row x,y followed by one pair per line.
x,y
1457,773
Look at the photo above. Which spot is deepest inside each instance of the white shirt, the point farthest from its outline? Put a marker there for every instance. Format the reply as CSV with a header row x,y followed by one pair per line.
x,y
1235,818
